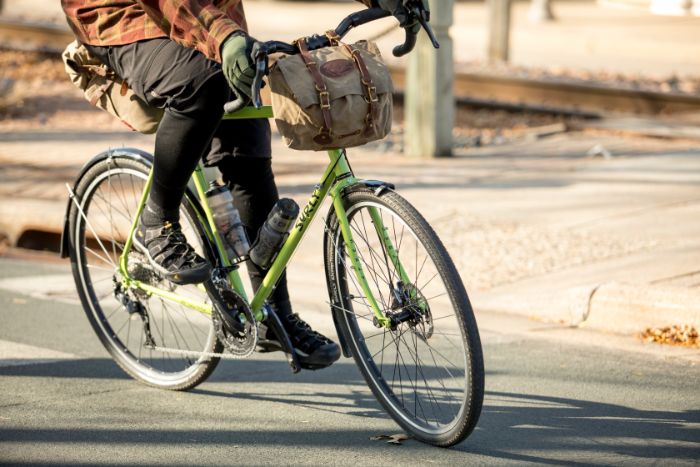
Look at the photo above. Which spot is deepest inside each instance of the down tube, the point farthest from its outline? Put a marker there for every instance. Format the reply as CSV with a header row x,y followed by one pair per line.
x,y
299,230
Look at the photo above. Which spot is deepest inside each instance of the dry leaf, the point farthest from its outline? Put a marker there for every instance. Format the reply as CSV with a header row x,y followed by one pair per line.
x,y
685,335
392,439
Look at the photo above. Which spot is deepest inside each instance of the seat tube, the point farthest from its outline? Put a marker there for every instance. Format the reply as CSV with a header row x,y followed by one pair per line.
x,y
200,183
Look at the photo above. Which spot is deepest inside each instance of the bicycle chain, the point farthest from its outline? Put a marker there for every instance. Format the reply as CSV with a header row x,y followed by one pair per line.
x,y
197,353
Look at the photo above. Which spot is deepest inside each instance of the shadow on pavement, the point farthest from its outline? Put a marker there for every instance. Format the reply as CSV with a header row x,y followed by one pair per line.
x,y
512,424
513,427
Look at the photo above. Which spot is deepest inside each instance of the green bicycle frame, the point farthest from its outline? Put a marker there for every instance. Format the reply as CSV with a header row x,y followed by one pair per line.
x,y
336,178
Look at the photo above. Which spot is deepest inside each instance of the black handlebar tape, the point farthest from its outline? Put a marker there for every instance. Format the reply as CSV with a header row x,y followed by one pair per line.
x,y
360,18
262,50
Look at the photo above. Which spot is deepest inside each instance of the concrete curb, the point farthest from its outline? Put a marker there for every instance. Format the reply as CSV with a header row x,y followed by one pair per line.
x,y
610,307
18,216
629,309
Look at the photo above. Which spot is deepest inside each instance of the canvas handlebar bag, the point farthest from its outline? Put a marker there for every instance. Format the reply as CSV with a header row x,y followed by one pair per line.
x,y
334,97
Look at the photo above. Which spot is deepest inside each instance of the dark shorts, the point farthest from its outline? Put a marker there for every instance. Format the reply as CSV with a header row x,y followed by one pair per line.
x,y
167,75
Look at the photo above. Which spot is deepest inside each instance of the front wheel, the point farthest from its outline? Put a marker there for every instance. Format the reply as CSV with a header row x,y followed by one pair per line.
x,y
427,368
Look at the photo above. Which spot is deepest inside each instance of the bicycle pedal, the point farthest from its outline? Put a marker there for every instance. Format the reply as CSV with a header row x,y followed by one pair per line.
x,y
268,346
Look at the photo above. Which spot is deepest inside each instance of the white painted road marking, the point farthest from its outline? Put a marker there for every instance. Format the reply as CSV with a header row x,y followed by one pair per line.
x,y
14,354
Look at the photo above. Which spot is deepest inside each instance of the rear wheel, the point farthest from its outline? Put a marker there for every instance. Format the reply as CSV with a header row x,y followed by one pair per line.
x,y
427,369
131,323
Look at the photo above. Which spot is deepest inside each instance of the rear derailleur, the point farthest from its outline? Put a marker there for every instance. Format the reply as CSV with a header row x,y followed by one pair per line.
x,y
134,307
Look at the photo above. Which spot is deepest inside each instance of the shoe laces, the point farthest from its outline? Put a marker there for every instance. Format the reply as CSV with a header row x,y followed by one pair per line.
x,y
300,331
177,250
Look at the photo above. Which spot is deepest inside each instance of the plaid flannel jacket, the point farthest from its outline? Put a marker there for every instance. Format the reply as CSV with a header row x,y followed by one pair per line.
x,y
197,24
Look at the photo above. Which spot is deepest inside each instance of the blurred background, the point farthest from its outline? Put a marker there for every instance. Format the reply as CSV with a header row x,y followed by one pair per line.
x,y
512,64
554,146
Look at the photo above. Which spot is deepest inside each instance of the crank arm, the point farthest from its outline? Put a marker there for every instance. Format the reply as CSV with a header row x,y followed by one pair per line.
x,y
273,322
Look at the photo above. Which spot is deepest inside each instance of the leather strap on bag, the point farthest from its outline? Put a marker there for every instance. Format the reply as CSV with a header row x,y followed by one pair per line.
x,y
371,96
324,97
104,72
333,37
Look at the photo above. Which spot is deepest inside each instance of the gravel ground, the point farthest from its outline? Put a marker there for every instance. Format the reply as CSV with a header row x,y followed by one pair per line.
x,y
497,252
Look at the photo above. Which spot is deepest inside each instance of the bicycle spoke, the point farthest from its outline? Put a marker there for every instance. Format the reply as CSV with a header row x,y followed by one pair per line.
x,y
430,392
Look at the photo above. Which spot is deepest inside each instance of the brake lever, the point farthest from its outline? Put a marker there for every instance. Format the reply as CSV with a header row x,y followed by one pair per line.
x,y
423,17
418,12
259,55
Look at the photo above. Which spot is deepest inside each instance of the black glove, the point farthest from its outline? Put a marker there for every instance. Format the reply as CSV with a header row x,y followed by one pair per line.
x,y
399,10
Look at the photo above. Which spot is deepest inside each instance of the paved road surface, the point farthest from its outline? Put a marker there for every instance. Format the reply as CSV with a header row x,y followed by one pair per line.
x,y
554,396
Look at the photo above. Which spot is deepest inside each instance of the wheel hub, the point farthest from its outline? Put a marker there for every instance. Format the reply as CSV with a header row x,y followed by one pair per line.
x,y
410,306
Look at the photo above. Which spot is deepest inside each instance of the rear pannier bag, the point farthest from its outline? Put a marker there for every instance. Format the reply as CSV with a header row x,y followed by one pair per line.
x,y
105,90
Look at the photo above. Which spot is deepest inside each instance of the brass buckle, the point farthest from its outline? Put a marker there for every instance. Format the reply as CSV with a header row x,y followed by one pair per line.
x,y
325,99
333,37
323,137
373,97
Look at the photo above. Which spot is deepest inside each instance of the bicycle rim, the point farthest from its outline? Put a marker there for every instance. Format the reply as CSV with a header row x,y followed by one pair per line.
x,y
427,370
109,201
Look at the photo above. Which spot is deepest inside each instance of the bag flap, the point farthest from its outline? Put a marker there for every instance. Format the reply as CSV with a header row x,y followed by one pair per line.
x,y
80,65
338,70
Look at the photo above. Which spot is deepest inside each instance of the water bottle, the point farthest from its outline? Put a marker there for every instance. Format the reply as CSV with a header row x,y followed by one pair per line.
x,y
227,221
274,232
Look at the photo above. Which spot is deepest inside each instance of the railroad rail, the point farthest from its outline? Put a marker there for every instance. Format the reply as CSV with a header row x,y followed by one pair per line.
x,y
474,89
481,89
31,35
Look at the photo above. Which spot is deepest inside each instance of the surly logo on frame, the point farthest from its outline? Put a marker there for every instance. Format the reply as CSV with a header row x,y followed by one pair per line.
x,y
309,209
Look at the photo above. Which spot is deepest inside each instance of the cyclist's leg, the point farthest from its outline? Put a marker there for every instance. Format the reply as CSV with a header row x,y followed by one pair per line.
x,y
192,90
246,167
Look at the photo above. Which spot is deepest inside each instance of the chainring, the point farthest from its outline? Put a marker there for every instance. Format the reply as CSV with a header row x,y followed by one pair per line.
x,y
242,342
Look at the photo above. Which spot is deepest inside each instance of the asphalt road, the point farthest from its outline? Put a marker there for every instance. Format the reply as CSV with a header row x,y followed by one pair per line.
x,y
553,396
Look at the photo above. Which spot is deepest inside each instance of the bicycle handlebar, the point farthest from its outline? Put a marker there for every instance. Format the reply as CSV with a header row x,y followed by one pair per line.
x,y
261,50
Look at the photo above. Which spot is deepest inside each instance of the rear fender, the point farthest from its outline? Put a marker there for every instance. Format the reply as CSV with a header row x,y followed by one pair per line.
x,y
122,153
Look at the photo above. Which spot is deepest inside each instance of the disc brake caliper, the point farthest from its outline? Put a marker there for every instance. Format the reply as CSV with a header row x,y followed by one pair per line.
x,y
409,306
